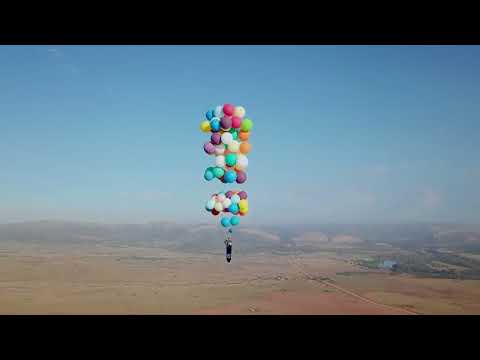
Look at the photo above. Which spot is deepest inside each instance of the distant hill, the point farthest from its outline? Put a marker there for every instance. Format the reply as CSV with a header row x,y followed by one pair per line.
x,y
209,237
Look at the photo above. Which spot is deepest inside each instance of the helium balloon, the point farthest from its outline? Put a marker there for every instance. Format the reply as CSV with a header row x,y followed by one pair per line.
x,y
242,161
209,114
215,212
247,125
234,134
209,148
215,124
216,138
218,172
236,122
208,175
219,149
219,207
226,123
241,177
230,160
210,204
242,194
229,194
245,147
221,198
230,176
225,222
205,126
243,135
239,111
218,112
226,203
243,204
235,199
228,109
233,208
234,146
234,220
220,160
227,138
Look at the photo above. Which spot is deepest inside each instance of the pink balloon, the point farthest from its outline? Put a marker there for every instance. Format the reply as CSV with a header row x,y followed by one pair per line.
x,y
228,109
241,178
236,122
242,194
229,194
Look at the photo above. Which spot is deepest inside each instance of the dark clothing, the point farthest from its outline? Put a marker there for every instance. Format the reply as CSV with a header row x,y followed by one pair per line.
x,y
229,251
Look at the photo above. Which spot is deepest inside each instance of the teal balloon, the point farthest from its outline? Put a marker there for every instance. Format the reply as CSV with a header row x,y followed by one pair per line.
x,y
210,114
230,176
215,124
233,208
231,160
208,175
218,172
235,199
235,220
234,133
225,222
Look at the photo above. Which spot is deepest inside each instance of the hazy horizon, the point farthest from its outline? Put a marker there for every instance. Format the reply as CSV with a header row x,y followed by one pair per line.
x,y
343,134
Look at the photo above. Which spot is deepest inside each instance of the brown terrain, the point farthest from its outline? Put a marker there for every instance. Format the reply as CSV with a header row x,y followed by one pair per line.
x,y
129,280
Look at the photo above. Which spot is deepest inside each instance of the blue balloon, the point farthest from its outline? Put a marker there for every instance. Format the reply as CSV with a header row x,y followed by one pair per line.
x,y
225,222
210,114
233,208
208,175
230,176
235,220
215,124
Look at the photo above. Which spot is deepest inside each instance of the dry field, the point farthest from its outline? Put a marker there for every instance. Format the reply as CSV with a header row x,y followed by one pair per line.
x,y
153,281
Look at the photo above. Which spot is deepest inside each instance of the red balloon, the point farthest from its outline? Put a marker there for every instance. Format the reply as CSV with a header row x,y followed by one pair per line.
x,y
215,212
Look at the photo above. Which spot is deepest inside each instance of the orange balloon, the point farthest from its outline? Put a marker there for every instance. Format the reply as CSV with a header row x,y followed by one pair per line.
x,y
245,147
243,135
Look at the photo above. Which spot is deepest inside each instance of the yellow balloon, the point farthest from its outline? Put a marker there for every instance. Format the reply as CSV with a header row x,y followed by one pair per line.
x,y
205,126
243,204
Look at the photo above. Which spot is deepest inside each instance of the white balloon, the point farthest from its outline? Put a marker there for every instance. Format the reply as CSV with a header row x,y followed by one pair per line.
x,y
226,203
221,198
219,149
234,146
242,161
219,207
218,112
220,161
239,111
210,204
227,138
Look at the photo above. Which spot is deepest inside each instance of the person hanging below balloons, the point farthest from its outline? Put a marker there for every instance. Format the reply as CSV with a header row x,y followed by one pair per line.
x,y
228,244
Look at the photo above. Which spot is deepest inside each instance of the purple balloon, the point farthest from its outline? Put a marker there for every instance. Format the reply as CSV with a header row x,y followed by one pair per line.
x,y
226,122
242,194
241,178
209,148
229,194
216,139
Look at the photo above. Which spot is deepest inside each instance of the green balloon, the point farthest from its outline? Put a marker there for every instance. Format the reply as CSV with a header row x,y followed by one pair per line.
x,y
234,133
231,159
247,125
218,172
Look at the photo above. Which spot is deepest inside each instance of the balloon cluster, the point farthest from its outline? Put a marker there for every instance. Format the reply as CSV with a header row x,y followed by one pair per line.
x,y
234,202
230,131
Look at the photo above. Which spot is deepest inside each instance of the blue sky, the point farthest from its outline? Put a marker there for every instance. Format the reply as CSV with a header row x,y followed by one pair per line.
x,y
342,133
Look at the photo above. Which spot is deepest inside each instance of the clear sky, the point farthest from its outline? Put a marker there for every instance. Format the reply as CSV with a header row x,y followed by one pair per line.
x,y
341,133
